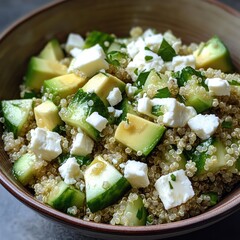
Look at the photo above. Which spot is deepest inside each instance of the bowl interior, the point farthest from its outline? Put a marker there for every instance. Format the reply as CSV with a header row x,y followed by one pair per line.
x,y
193,21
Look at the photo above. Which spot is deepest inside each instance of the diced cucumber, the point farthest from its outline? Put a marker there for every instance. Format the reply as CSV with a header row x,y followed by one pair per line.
x,y
64,196
83,105
135,214
213,54
200,157
81,160
139,134
24,168
104,184
63,86
16,114
40,70
117,58
52,51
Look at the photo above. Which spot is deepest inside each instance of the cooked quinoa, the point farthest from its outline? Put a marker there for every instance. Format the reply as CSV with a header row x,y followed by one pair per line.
x,y
171,152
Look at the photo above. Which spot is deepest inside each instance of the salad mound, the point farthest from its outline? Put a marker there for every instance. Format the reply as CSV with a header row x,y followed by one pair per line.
x,y
132,131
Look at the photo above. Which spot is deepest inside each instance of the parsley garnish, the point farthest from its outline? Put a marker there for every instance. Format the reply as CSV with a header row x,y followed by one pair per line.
x,y
173,177
148,58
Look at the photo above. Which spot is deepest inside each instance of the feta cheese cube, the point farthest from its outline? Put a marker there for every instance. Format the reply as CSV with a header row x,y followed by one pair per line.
x,y
82,145
130,90
75,52
154,41
180,62
89,61
176,114
218,86
117,113
70,171
114,97
174,189
136,173
145,60
144,105
45,144
135,46
204,125
74,41
97,121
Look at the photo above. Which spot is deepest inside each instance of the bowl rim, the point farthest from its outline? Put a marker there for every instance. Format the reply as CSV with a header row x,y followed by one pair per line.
x,y
213,215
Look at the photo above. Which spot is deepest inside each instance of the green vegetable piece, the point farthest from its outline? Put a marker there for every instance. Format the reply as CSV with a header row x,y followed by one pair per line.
x,y
163,93
141,79
226,124
157,110
79,109
173,177
234,83
16,113
213,54
81,160
213,198
116,58
101,38
64,196
166,51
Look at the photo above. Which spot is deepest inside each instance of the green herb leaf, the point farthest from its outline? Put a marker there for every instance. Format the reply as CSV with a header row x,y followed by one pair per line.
x,y
170,185
115,58
163,93
157,110
140,213
96,37
173,177
166,51
234,83
136,71
226,124
148,58
141,79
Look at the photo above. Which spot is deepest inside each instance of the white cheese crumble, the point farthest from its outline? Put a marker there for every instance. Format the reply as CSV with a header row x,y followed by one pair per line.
x,y
144,105
45,144
130,90
70,171
97,121
176,114
75,52
136,173
89,61
145,60
174,189
135,46
180,62
74,41
114,97
204,125
82,145
218,86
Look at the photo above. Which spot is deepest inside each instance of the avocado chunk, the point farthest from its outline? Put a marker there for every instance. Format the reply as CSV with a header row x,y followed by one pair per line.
x,y
52,51
139,134
104,184
213,54
102,85
64,196
24,168
63,86
46,115
82,106
41,69
16,114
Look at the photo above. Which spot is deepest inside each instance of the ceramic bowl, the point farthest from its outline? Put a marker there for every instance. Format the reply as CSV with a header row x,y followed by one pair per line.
x,y
193,21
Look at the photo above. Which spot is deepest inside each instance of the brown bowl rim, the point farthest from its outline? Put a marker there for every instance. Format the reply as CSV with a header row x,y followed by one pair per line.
x,y
197,222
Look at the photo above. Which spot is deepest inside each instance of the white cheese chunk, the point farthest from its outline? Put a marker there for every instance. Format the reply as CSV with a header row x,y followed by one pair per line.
x,y
136,173
135,46
74,41
174,189
70,171
117,113
154,41
180,62
144,105
204,125
89,61
45,144
176,114
130,90
82,145
75,52
114,97
218,86
97,121
145,60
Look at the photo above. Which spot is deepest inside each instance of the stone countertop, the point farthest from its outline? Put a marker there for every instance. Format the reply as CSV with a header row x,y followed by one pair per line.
x,y
21,223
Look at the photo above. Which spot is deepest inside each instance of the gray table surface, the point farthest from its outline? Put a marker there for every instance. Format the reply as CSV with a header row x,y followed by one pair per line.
x,y
21,223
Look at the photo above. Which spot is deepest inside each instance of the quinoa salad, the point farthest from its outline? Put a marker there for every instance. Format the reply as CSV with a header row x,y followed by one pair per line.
x,y
141,130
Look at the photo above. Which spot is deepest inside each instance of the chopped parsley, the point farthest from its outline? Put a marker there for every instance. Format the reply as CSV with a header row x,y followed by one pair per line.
x,y
170,185
148,58
173,177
